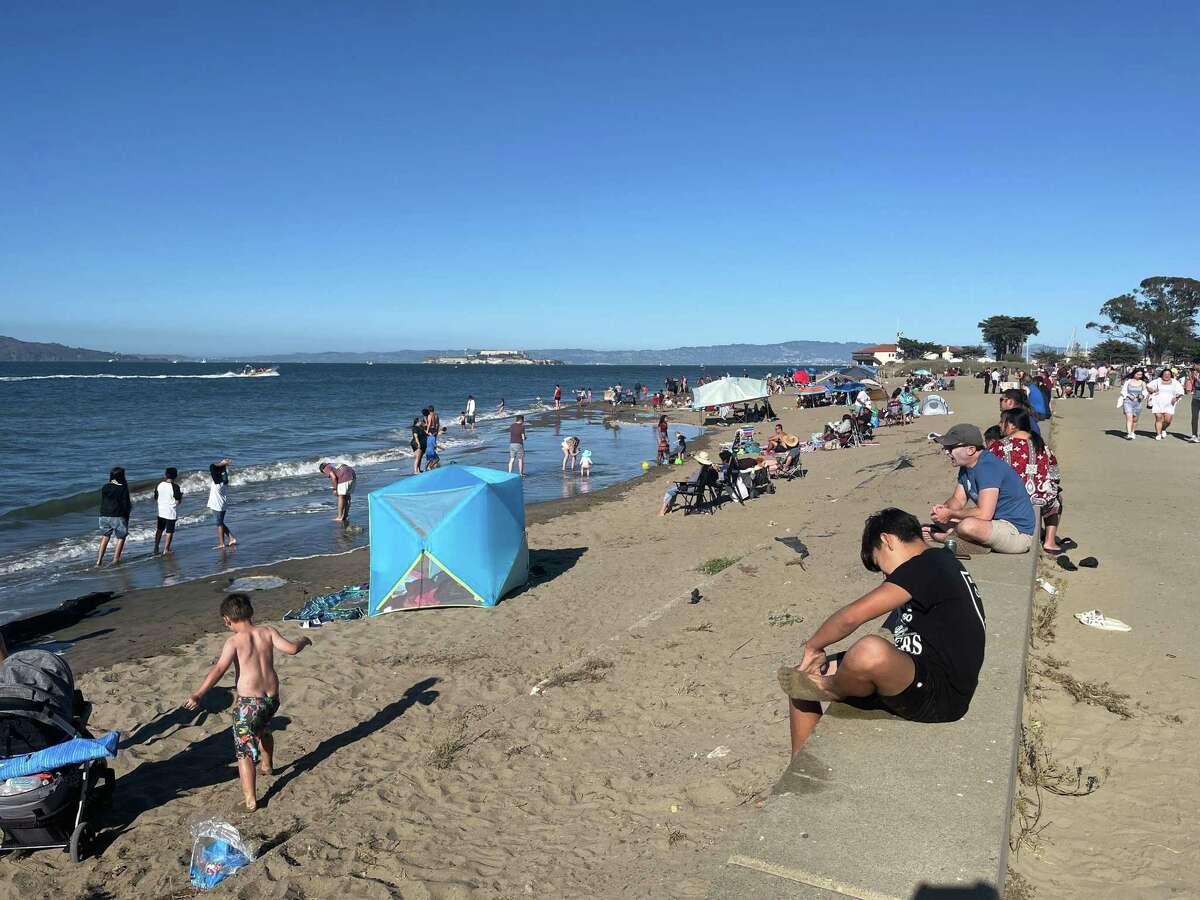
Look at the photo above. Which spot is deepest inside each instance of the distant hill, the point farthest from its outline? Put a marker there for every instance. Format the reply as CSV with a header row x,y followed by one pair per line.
x,y
13,350
792,353
788,353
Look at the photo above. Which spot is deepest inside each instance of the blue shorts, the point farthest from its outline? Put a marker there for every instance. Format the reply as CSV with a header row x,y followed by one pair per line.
x,y
113,526
219,515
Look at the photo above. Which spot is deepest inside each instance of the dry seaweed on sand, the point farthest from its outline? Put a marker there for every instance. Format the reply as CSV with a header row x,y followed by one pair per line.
x,y
1102,695
590,670
783,619
1038,771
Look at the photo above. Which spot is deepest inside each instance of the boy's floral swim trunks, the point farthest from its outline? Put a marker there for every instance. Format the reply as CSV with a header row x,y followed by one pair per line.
x,y
250,718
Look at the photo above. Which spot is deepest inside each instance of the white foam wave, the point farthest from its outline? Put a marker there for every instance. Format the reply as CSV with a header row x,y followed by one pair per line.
x,y
136,377
78,547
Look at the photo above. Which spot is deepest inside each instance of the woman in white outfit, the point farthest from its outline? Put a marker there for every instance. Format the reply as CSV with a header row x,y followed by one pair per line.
x,y
1165,391
1133,393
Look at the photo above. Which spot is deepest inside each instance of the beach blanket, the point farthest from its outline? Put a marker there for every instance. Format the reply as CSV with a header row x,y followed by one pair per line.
x,y
348,603
68,753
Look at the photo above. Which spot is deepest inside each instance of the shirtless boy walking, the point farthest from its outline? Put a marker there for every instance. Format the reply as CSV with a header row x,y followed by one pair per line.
x,y
251,651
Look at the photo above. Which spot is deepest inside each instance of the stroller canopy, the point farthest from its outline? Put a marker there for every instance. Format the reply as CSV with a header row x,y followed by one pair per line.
x,y
39,677
729,390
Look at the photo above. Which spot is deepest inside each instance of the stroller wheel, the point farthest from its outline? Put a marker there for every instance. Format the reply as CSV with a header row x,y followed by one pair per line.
x,y
81,838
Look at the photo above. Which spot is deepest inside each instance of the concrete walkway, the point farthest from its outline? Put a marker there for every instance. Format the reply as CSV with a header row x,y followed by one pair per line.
x,y
875,807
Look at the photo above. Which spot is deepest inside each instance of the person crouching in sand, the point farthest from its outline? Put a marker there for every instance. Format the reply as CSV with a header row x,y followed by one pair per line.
x,y
923,665
251,651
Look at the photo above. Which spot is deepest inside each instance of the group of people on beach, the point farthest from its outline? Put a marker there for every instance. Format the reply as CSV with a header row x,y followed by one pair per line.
x,y
924,666
116,506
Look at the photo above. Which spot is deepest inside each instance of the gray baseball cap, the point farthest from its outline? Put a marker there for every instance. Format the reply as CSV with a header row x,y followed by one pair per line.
x,y
962,435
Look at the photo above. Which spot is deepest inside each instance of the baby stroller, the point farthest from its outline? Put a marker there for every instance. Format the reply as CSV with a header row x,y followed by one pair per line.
x,y
41,709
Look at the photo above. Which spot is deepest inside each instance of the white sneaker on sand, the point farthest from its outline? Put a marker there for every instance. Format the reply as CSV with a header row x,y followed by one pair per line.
x,y
1131,436
1194,439
1158,437
1096,619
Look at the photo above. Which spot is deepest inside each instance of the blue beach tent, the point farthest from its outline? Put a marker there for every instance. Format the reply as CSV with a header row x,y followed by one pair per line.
x,y
451,537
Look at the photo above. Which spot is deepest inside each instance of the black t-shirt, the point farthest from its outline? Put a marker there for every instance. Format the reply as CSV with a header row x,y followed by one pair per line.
x,y
943,623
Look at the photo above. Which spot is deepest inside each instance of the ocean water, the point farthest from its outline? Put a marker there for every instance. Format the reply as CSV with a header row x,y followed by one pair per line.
x,y
65,425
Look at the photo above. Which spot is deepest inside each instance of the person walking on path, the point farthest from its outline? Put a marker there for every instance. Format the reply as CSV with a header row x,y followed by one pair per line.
x,y
218,500
1195,438
987,381
1165,391
516,445
342,477
1081,377
1133,394
995,380
167,496
115,507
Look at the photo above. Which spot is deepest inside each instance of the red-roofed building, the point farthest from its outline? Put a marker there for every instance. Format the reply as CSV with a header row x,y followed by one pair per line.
x,y
878,355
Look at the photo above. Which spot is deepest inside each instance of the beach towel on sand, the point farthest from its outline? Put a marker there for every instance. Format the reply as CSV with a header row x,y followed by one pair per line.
x,y
348,603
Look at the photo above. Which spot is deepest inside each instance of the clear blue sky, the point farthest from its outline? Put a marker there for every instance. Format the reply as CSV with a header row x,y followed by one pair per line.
x,y
200,178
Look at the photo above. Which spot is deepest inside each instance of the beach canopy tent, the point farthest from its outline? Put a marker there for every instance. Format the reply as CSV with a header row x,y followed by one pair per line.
x,y
860,373
850,387
451,537
922,372
727,391
934,405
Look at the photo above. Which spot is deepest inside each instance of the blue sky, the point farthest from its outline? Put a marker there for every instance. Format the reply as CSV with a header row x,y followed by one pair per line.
x,y
206,178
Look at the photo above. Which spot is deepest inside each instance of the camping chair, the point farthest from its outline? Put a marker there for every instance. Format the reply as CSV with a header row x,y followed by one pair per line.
x,y
760,481
894,414
698,498
792,465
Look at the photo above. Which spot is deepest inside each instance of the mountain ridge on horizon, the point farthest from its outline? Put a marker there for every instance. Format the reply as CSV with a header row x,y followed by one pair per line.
x,y
786,352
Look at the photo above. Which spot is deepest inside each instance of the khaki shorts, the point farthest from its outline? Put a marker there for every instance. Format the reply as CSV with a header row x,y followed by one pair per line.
x,y
1006,539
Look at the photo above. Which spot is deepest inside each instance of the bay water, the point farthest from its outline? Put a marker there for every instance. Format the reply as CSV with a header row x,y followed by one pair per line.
x,y
64,425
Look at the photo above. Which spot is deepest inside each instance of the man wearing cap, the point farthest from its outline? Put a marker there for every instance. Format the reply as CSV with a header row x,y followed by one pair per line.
x,y
705,477
1001,515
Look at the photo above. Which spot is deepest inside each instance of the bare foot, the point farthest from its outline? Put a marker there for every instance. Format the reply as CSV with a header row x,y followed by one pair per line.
x,y
803,685
219,547
232,543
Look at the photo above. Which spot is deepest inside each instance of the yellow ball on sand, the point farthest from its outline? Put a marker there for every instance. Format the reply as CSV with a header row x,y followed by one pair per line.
x,y
645,466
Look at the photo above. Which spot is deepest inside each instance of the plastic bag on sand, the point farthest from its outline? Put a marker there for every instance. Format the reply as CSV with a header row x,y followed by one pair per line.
x,y
217,852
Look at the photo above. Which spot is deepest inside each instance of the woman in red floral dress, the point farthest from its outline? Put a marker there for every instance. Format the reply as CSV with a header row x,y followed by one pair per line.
x,y
1037,465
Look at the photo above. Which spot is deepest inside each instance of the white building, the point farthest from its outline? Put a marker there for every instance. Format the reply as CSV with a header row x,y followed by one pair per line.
x,y
878,355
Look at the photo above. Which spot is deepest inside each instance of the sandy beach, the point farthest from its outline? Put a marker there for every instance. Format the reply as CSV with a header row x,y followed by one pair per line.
x,y
414,761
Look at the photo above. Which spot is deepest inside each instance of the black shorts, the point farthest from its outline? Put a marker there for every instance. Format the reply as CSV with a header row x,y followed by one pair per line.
x,y
930,697
167,526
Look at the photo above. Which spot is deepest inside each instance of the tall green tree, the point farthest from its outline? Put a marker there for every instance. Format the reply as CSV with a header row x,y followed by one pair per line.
x,y
913,349
1118,352
1159,316
973,351
1006,334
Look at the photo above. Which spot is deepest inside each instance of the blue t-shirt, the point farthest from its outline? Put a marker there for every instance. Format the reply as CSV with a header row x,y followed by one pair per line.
x,y
1038,401
1013,504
